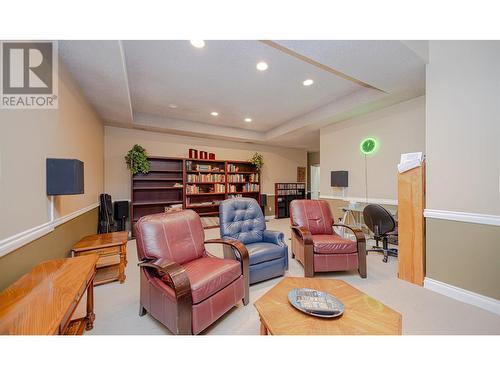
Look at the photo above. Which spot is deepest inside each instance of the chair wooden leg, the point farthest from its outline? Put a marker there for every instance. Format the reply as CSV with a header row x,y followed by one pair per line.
x,y
246,297
308,261
362,259
142,311
309,267
308,273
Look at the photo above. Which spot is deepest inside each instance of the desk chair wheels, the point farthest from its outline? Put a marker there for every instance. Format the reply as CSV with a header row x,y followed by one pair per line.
x,y
384,249
387,253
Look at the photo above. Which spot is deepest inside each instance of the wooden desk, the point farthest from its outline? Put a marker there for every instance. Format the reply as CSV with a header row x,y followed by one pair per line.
x,y
43,301
363,314
112,251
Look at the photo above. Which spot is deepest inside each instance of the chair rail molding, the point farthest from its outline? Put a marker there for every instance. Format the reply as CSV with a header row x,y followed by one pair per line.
x,y
465,217
463,295
18,240
362,200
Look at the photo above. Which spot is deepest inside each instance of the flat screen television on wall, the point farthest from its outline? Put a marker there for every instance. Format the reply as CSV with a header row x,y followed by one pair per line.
x,y
339,179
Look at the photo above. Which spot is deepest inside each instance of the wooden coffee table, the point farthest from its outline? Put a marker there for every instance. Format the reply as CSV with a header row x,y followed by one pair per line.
x,y
363,314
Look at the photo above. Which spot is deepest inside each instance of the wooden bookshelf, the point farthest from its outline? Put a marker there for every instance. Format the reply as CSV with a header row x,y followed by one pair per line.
x,y
284,193
160,188
208,182
198,184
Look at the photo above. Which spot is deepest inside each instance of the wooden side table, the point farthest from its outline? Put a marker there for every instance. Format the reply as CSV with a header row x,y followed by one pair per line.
x,y
43,301
112,251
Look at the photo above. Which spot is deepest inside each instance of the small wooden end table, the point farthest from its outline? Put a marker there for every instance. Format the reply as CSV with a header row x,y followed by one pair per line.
x,y
43,301
363,315
112,251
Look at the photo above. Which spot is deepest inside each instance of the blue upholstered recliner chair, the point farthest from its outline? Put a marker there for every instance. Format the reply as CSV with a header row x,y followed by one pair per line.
x,y
243,220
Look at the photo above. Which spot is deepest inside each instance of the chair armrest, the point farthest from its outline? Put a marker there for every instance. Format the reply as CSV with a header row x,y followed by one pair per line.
x,y
303,233
177,275
360,236
243,258
274,236
235,244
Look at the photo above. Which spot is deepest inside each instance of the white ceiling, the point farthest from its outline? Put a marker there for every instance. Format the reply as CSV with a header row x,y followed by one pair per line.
x,y
133,84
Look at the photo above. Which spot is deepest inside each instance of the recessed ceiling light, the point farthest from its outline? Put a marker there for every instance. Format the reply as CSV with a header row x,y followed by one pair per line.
x,y
214,113
248,119
308,82
198,43
173,106
262,66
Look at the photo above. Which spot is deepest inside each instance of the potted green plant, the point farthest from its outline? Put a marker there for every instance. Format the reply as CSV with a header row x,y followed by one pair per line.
x,y
137,160
257,160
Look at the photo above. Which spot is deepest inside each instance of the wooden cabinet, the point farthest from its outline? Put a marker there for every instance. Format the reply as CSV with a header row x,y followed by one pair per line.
x,y
112,251
411,225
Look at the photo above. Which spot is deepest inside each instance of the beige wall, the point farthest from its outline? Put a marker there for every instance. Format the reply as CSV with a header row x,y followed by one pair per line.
x,y
463,163
399,128
79,135
56,244
463,126
280,164
24,145
465,255
28,137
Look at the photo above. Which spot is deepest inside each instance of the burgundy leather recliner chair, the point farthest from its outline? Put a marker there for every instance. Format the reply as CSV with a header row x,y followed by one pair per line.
x,y
182,285
317,246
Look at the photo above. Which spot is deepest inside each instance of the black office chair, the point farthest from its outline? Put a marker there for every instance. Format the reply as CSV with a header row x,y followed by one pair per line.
x,y
382,224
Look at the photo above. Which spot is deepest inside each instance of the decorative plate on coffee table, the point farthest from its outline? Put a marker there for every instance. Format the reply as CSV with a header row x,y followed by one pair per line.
x,y
315,303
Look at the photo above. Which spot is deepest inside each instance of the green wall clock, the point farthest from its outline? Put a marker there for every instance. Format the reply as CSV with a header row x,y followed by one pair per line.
x,y
368,146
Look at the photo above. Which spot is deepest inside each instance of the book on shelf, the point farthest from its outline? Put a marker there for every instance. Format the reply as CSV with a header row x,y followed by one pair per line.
x,y
196,189
254,177
251,187
290,192
202,167
232,168
205,178
282,186
246,188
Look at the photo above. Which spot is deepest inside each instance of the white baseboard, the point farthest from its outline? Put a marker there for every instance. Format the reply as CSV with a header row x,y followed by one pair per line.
x,y
269,217
393,202
18,240
484,302
465,217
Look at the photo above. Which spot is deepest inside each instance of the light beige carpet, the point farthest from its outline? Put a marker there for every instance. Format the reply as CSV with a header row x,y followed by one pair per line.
x,y
424,311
